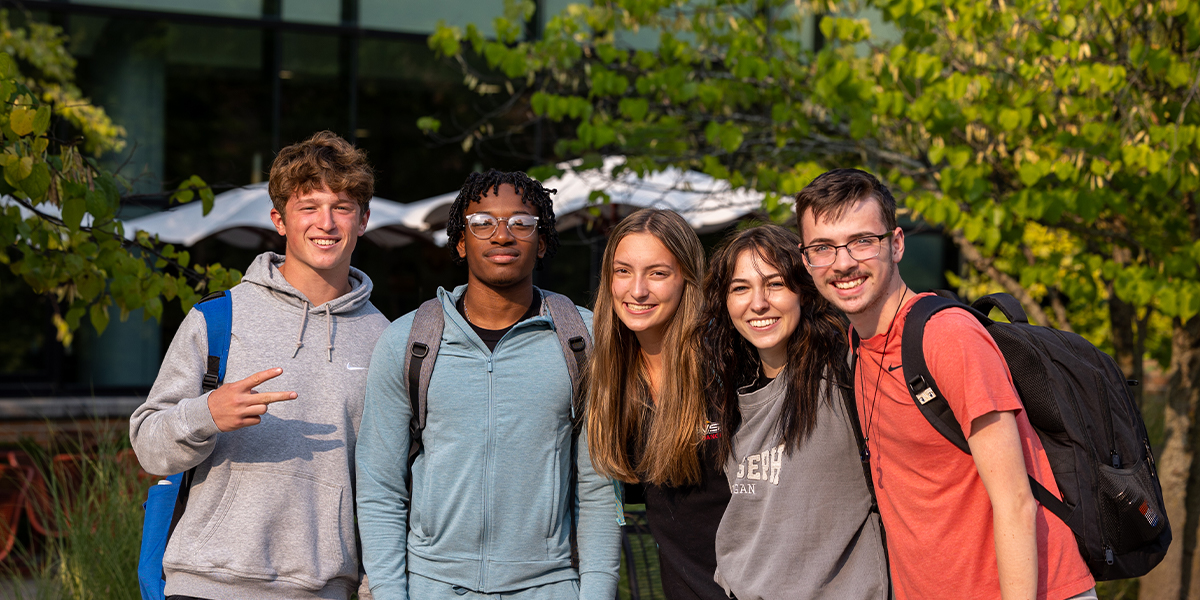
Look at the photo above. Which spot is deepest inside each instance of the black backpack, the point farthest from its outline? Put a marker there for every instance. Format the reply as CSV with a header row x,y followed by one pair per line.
x,y
1078,401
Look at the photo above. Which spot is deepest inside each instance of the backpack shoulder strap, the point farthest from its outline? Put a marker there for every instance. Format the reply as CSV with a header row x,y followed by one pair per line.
x,y
576,345
924,389
574,338
921,386
218,318
424,339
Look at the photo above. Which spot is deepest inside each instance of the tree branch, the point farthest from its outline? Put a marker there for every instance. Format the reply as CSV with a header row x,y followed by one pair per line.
x,y
984,265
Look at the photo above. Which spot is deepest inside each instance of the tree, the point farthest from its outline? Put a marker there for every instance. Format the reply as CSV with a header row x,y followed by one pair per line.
x,y
69,244
1055,141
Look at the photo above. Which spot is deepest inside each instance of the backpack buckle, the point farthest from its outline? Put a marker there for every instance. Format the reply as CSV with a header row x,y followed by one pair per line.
x,y
419,350
577,344
210,382
921,391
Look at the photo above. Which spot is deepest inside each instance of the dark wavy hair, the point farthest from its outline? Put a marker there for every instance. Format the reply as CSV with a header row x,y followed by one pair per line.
x,y
532,194
817,349
830,194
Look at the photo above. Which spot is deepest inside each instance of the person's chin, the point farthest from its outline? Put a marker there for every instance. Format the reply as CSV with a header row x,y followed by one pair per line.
x,y
502,278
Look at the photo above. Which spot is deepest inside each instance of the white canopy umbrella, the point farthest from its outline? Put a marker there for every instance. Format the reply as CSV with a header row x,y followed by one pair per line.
x,y
706,203
242,218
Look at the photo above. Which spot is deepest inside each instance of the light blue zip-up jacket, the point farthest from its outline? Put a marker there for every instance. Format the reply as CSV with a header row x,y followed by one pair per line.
x,y
490,487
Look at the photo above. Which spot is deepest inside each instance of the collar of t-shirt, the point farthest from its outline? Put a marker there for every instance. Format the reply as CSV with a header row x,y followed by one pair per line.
x,y
759,383
491,337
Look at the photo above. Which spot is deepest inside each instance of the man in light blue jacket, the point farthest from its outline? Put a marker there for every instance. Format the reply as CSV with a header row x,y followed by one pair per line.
x,y
487,513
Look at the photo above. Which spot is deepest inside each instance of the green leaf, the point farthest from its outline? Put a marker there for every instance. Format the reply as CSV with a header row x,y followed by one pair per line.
x,y
21,120
38,182
97,204
1009,119
99,316
41,120
1030,174
72,212
8,68
428,125
89,285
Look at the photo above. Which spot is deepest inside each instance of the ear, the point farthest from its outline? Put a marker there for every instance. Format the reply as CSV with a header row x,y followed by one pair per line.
x,y
897,245
541,246
462,245
277,220
362,225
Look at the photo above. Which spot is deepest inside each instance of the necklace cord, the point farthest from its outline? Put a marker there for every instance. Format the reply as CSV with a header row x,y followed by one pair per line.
x,y
875,398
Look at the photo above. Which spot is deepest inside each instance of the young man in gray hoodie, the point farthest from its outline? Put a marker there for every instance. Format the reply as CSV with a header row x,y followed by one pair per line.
x,y
488,510
271,508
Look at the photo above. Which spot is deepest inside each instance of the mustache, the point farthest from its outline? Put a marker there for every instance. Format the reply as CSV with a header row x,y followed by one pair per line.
x,y
854,273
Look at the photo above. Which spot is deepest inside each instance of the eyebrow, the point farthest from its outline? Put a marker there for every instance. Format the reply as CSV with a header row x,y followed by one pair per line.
x,y
653,266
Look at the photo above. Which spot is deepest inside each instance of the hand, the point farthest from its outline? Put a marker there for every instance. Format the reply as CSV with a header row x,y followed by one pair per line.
x,y
236,405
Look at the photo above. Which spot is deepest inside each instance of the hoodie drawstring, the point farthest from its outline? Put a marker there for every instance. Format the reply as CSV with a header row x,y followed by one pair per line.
x,y
329,330
300,334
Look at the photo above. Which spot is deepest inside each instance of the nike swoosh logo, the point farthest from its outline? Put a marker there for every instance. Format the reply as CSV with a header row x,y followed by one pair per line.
x,y
350,368
893,368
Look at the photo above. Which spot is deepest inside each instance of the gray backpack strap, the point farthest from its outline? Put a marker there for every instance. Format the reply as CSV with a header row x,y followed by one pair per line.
x,y
576,346
423,341
575,340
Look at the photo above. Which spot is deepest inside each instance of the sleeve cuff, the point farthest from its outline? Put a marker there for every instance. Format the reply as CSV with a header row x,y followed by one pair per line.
x,y
198,420
595,585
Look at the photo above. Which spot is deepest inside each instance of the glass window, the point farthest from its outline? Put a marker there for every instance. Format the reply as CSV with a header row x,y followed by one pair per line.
x,y
421,16
251,9
323,12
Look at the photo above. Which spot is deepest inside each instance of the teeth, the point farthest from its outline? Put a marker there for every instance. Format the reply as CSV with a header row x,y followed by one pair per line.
x,y
763,322
639,306
325,242
845,285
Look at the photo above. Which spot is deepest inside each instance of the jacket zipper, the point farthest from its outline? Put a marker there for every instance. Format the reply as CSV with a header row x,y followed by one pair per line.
x,y
485,537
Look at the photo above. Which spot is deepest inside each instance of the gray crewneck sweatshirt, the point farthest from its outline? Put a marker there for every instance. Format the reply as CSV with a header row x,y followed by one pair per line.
x,y
798,526
271,511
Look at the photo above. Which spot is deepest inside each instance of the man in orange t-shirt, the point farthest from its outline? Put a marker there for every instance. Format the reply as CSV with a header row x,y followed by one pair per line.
x,y
958,525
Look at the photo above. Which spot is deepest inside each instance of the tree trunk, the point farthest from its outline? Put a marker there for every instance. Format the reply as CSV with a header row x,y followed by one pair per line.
x,y
1121,318
1178,576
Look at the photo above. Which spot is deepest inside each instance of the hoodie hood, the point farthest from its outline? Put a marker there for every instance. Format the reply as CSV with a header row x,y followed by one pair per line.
x,y
264,273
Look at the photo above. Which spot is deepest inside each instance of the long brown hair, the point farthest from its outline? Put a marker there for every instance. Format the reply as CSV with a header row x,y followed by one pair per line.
x,y
816,349
663,438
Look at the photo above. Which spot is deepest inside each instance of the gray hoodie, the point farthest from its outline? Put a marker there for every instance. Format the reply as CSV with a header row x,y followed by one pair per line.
x,y
271,511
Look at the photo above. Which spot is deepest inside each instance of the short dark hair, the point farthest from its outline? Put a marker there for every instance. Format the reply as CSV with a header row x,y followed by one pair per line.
x,y
532,194
323,160
829,195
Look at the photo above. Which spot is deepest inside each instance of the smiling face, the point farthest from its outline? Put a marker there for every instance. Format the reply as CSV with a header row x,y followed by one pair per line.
x,y
763,309
322,229
860,288
647,286
503,260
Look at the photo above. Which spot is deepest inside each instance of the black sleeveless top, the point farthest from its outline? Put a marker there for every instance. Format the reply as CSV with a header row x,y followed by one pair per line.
x,y
684,521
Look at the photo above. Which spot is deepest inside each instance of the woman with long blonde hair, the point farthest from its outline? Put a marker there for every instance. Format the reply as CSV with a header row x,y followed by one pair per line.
x,y
647,419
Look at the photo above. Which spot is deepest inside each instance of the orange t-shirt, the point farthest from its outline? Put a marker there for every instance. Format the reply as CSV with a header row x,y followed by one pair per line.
x,y
936,512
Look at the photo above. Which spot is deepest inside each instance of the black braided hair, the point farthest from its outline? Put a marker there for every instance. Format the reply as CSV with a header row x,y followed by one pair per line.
x,y
532,194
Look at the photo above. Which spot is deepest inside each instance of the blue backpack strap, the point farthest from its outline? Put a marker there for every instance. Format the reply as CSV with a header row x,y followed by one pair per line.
x,y
166,502
218,316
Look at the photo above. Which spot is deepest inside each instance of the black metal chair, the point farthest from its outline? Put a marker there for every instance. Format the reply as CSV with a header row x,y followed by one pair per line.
x,y
639,559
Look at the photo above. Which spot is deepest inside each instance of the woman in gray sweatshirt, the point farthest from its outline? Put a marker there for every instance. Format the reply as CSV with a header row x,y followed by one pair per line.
x,y
799,523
